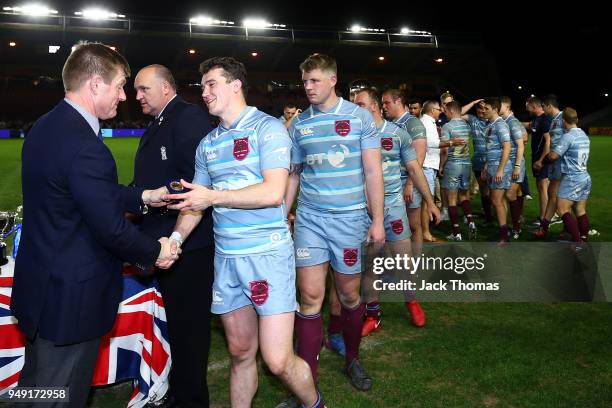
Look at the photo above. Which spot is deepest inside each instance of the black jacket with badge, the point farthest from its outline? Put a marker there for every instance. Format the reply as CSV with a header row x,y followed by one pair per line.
x,y
167,152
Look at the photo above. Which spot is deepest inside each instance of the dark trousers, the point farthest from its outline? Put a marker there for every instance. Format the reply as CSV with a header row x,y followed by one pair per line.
x,y
525,186
187,291
48,365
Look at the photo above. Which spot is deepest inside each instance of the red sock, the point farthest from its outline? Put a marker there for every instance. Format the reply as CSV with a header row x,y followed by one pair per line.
x,y
467,209
515,214
521,200
503,233
309,330
453,214
583,226
571,225
486,207
352,320
335,324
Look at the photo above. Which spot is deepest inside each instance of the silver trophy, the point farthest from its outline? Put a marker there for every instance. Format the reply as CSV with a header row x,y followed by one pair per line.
x,y
8,221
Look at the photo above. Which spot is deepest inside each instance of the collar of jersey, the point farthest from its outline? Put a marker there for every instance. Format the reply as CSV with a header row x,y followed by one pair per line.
x,y
243,116
333,109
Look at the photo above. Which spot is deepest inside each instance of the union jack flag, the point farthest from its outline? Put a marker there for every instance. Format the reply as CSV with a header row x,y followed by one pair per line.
x,y
136,348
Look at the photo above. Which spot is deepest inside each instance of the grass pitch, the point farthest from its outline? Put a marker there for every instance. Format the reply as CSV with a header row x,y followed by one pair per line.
x,y
468,355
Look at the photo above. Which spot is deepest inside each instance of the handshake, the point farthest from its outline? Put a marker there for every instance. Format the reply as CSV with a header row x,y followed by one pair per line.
x,y
170,246
170,251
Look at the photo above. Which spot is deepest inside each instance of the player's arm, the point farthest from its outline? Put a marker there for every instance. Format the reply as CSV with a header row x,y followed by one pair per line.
x,y
506,146
293,183
269,193
520,149
416,174
558,151
375,192
466,108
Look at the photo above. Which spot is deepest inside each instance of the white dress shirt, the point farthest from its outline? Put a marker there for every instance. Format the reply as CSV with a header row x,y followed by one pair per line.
x,y
432,157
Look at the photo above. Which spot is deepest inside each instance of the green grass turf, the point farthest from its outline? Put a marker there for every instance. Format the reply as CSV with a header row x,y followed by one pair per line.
x,y
468,355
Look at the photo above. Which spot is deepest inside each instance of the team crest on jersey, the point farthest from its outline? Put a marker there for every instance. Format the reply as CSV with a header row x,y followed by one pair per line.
x,y
386,143
554,126
259,291
241,148
397,226
343,127
350,256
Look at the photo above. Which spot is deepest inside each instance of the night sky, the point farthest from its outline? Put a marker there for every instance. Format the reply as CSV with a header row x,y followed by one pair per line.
x,y
559,49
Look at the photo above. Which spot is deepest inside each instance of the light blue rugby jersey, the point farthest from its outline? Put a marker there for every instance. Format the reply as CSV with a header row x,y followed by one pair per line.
x,y
574,148
498,132
231,159
479,132
329,145
457,129
396,148
416,130
556,129
517,130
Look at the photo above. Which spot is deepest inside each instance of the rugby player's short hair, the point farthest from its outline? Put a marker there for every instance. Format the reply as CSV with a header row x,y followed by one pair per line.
x,y
396,94
507,100
319,61
535,101
372,93
493,102
232,70
551,100
413,101
454,106
570,116
428,106
290,105
89,59
446,95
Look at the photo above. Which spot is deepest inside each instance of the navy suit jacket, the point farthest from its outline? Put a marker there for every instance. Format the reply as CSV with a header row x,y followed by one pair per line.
x,y
68,283
167,152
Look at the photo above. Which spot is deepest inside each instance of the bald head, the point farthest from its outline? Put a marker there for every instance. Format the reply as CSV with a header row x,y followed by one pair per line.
x,y
155,87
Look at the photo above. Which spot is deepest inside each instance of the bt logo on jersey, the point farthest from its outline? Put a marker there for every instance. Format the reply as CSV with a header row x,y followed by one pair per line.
x,y
335,156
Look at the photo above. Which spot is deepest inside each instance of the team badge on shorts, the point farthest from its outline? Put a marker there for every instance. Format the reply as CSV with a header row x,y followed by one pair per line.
x,y
241,148
350,256
397,226
343,127
386,143
259,291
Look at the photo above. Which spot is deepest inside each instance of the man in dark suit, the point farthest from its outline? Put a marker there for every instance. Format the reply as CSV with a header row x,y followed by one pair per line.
x,y
68,283
167,152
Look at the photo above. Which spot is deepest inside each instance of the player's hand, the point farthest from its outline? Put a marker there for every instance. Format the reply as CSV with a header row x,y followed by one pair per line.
x,y
484,173
537,165
499,174
376,234
408,194
434,214
516,173
291,221
198,199
458,142
169,253
441,172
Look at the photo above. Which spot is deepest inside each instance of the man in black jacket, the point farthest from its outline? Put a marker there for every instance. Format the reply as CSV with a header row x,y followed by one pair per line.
x,y
67,285
167,152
